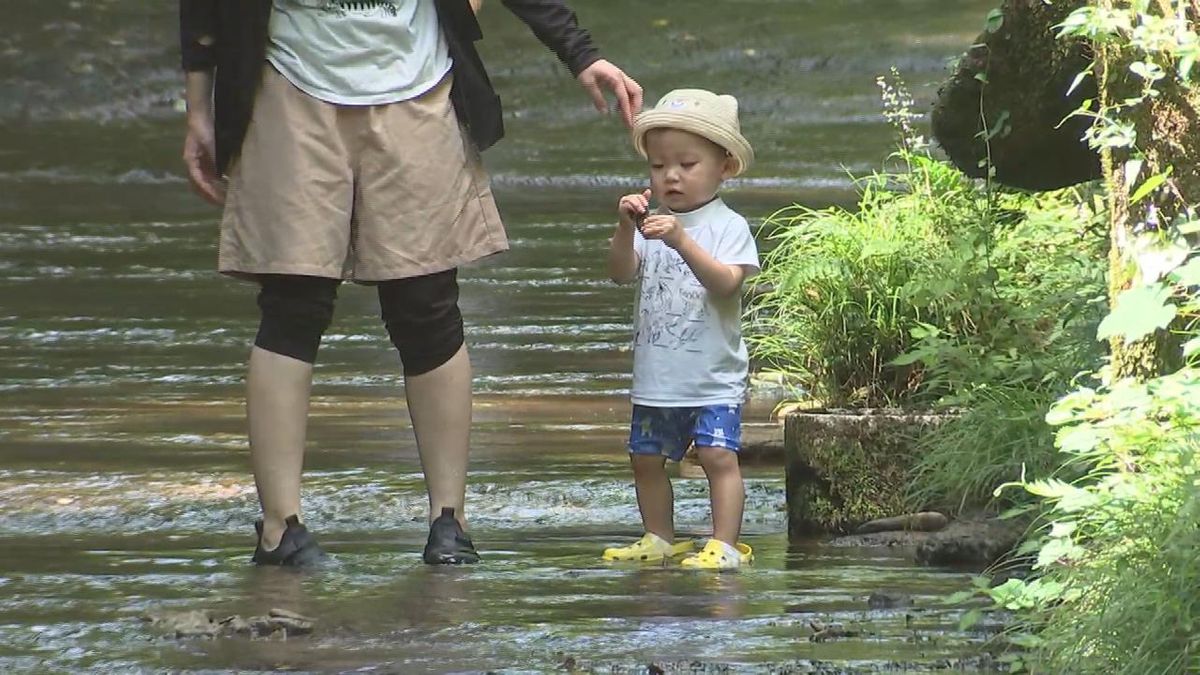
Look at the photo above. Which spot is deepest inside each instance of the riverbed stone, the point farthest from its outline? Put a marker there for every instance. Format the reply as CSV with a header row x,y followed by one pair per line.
x,y
888,600
276,624
976,542
847,467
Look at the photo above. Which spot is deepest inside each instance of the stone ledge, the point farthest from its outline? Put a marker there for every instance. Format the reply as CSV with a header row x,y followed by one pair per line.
x,y
846,467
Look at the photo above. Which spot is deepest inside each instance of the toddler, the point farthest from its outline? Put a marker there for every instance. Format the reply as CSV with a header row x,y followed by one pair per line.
x,y
689,260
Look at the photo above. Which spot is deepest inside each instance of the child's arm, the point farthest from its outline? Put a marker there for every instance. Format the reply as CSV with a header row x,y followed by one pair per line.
x,y
622,259
717,278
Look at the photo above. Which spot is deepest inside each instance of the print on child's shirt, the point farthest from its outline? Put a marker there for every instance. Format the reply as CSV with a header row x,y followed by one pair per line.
x,y
342,8
672,306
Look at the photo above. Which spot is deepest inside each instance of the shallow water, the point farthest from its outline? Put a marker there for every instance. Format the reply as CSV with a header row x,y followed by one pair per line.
x,y
124,484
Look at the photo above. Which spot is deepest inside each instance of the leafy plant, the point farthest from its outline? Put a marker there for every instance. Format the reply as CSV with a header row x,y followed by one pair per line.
x,y
840,305
1117,565
932,286
1034,310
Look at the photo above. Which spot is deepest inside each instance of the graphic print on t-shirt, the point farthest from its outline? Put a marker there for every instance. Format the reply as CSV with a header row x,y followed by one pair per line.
x,y
347,8
673,305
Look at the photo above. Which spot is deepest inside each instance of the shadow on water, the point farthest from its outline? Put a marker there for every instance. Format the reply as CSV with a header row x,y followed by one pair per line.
x,y
124,486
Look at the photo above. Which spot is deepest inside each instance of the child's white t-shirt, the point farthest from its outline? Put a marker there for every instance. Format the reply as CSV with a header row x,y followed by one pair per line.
x,y
687,345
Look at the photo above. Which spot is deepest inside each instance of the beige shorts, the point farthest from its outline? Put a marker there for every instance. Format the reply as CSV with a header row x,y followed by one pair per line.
x,y
363,193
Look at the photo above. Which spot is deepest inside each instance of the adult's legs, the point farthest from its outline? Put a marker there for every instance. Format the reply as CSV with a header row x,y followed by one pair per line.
x,y
277,391
726,491
295,312
439,404
425,325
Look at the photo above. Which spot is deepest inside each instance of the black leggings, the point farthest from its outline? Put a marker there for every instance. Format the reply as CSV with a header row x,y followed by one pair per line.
x,y
421,315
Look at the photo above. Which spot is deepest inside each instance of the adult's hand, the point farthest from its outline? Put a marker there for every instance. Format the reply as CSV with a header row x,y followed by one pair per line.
x,y
603,75
200,158
199,146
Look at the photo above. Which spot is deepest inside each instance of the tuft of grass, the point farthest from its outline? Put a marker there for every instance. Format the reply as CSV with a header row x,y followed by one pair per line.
x,y
845,287
1002,437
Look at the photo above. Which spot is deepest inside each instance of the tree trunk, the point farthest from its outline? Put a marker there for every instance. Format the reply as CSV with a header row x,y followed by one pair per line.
x,y
1168,132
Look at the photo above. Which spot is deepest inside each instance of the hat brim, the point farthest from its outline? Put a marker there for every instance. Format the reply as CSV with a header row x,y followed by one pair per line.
x,y
733,141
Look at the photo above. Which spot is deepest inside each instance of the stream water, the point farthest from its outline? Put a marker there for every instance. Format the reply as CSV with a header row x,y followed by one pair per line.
x,y
124,479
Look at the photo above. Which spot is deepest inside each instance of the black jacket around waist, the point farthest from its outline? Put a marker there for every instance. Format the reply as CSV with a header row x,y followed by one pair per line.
x,y
229,37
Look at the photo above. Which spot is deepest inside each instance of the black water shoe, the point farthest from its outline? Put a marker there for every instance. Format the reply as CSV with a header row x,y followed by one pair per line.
x,y
448,544
297,548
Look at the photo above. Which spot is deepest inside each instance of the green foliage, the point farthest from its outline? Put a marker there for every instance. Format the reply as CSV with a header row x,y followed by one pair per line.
x,y
919,296
1033,290
1140,311
1162,45
933,287
845,290
1117,563
1000,437
1033,309
1116,571
939,291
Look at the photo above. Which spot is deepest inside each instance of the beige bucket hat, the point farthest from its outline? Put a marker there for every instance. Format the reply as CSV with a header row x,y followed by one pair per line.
x,y
701,112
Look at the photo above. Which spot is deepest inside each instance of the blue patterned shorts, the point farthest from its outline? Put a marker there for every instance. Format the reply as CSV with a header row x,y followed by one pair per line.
x,y
670,431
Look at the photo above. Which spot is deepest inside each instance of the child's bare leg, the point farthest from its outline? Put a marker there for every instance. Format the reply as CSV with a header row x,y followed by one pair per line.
x,y
655,498
727,492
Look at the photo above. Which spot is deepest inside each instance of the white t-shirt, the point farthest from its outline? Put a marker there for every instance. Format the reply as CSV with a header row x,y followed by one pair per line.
x,y
358,53
687,345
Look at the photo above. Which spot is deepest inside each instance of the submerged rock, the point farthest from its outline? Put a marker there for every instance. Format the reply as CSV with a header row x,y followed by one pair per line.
x,y
888,600
277,624
823,632
976,542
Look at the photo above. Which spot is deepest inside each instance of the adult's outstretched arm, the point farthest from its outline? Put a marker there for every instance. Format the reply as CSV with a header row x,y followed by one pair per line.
x,y
556,26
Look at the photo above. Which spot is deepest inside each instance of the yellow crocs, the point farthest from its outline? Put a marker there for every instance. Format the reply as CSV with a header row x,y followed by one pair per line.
x,y
716,557
650,548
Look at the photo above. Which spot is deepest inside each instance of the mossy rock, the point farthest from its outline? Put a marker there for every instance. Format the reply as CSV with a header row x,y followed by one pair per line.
x,y
845,468
1018,79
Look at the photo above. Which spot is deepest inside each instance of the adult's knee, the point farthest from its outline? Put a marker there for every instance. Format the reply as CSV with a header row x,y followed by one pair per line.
x,y
423,319
295,312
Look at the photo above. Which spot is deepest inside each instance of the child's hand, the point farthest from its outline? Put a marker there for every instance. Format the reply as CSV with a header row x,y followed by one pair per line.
x,y
666,228
632,208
